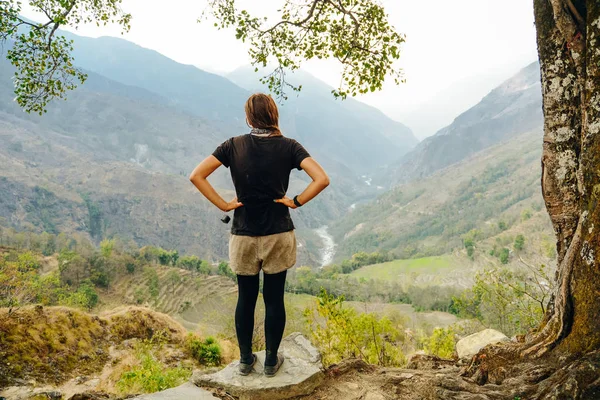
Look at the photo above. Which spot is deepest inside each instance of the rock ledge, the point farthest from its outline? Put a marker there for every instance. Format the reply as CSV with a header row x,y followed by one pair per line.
x,y
300,374
187,392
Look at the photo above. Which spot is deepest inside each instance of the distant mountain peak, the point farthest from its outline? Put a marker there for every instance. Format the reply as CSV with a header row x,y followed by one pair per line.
x,y
513,108
525,79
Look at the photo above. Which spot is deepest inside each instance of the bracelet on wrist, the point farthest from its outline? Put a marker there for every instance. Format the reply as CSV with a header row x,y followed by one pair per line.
x,y
296,202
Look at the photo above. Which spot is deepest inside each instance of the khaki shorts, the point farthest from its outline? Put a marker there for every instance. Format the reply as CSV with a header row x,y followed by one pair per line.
x,y
273,253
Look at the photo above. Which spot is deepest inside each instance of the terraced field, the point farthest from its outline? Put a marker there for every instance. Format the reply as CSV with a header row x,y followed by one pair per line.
x,y
447,270
207,303
186,296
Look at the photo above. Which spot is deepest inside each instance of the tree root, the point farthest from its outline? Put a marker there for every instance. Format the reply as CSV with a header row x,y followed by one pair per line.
x,y
559,323
548,378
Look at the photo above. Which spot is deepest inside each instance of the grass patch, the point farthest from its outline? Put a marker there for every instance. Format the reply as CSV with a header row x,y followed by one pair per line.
x,y
49,344
151,375
396,270
54,344
298,301
141,323
206,352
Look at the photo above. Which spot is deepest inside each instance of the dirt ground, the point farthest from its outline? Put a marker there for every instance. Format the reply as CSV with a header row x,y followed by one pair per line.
x,y
431,379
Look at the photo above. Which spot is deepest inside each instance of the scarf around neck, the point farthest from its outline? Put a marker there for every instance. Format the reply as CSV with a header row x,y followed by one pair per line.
x,y
261,132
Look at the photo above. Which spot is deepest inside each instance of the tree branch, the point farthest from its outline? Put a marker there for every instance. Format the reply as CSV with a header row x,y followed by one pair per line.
x,y
343,10
57,24
575,13
36,26
299,24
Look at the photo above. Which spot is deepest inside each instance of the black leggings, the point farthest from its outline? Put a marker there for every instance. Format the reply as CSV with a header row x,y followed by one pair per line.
x,y
273,290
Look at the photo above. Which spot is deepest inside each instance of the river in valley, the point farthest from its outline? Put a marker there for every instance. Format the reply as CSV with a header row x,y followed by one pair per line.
x,y
327,251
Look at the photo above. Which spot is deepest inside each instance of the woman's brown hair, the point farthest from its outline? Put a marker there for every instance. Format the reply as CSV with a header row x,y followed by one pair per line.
x,y
262,113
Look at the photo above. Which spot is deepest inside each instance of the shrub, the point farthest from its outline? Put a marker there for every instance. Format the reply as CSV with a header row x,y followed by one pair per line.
x,y
225,270
519,242
150,253
441,343
106,247
340,332
28,262
130,267
469,241
504,255
470,252
191,263
185,306
139,295
100,278
173,278
549,248
85,297
49,246
205,268
206,352
151,375
168,257
512,302
194,263
152,282
526,214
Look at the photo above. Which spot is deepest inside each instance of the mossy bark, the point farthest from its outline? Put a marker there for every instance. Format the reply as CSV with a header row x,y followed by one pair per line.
x,y
569,49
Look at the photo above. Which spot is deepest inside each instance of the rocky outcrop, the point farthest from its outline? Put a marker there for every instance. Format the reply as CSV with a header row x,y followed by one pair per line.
x,y
470,345
300,374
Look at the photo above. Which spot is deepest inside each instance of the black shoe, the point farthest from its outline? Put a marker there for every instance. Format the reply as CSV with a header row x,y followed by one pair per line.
x,y
245,369
271,371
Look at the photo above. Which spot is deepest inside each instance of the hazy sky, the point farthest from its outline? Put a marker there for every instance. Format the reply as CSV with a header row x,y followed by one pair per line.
x,y
456,50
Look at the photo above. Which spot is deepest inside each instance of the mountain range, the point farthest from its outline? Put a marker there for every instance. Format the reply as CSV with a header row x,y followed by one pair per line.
x,y
113,159
335,127
480,171
335,131
513,108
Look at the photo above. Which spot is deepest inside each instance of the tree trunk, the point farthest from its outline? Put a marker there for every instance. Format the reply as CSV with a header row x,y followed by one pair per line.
x,y
568,34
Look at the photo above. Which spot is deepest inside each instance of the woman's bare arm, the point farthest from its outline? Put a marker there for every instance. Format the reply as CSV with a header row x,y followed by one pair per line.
x,y
320,181
199,178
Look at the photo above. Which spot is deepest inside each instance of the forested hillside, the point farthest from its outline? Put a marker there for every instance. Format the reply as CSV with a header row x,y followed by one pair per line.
x,y
488,192
480,174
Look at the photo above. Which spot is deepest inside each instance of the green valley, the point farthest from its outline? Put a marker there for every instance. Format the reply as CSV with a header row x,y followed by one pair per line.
x,y
104,239
492,193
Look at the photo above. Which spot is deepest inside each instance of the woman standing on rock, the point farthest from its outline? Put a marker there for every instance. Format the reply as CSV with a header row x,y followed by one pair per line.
x,y
262,236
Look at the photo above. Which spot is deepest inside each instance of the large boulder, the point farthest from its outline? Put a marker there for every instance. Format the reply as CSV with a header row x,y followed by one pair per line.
x,y
470,345
299,375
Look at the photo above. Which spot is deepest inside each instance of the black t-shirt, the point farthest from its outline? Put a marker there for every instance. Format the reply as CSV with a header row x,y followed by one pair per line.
x,y
260,169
